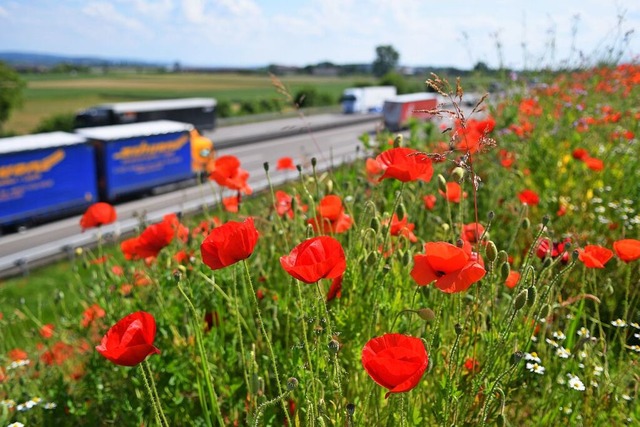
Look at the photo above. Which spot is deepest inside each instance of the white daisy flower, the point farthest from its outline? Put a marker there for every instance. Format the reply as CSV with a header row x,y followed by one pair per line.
x,y
635,325
535,368
563,352
583,332
532,357
598,370
16,424
8,403
559,335
627,397
634,347
50,405
582,354
575,383
619,323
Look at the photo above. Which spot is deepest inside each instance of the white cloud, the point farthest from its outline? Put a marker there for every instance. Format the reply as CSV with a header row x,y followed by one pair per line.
x,y
3,12
108,13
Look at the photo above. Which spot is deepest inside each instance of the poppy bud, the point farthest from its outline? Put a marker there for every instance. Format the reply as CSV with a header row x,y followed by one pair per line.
x,y
457,174
505,269
334,346
406,258
426,314
502,257
265,165
375,224
516,357
351,409
491,251
299,167
397,142
401,211
491,215
329,187
292,383
314,162
442,183
372,258
545,220
532,293
574,255
458,328
521,300
526,223
500,422
544,311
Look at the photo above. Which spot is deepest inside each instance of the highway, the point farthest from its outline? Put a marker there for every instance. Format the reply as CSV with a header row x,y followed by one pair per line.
x,y
330,138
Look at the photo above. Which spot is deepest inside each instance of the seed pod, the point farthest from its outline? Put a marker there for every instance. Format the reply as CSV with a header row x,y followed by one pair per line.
x,y
491,215
502,257
532,293
505,269
292,383
544,311
457,174
401,211
574,255
500,421
458,328
351,409
491,251
334,346
526,223
426,314
372,258
406,258
314,162
442,183
545,220
265,165
521,300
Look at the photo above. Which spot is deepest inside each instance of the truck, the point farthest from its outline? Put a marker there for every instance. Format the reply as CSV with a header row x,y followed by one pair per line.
x,y
398,110
45,176
134,158
200,112
369,99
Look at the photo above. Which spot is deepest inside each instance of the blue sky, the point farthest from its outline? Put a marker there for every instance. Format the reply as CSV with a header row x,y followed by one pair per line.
x,y
252,32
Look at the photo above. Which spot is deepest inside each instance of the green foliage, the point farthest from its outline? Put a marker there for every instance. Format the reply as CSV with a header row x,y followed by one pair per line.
x,y
59,122
11,88
386,60
402,83
311,96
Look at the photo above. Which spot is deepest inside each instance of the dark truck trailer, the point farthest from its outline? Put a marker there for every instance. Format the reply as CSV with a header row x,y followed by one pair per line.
x,y
137,157
200,112
44,177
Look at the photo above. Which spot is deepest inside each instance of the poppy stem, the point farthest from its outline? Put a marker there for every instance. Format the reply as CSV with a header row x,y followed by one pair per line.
x,y
242,353
153,393
267,340
206,373
306,348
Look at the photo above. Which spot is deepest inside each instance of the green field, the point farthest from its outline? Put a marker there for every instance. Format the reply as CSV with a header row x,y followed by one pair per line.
x,y
47,95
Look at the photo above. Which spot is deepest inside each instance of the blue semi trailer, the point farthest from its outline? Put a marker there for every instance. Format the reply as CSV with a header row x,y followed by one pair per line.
x,y
46,175
137,157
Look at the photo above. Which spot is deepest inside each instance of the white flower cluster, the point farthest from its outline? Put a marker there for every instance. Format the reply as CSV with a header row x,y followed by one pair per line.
x,y
575,382
18,363
534,363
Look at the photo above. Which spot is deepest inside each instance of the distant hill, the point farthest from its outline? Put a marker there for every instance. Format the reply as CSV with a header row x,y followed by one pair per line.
x,y
27,59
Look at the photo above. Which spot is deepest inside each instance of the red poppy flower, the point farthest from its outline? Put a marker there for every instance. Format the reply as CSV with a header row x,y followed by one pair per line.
x,y
335,290
231,203
529,197
181,232
284,204
331,218
150,242
512,279
231,242
285,163
429,201
627,249
226,172
373,169
580,154
594,256
452,268
594,164
47,331
130,341
395,361
98,214
314,259
471,232
454,192
471,365
402,228
552,249
92,313
405,164
17,354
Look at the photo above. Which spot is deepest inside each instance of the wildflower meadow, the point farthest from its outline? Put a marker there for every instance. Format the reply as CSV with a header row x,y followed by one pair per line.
x,y
479,270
